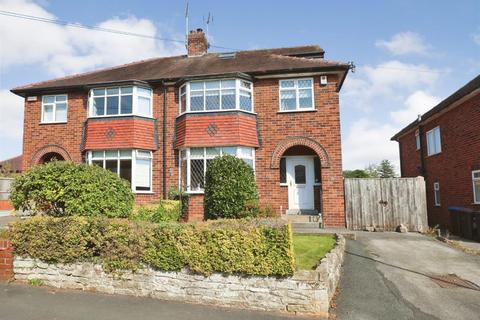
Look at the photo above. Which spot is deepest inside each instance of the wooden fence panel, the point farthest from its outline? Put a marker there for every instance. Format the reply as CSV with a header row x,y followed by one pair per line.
x,y
386,203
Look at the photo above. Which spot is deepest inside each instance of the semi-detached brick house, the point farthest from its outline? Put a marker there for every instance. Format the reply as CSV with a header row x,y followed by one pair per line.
x,y
157,123
443,146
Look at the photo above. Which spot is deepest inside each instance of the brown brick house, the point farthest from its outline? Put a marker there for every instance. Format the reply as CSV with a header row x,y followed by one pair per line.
x,y
157,123
443,146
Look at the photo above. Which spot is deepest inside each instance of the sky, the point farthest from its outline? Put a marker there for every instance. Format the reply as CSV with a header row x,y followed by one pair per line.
x,y
409,55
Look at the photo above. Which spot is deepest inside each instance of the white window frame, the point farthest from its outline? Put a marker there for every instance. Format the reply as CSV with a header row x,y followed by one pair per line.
x,y
417,139
54,105
135,95
474,179
206,157
238,88
437,197
297,95
134,155
434,149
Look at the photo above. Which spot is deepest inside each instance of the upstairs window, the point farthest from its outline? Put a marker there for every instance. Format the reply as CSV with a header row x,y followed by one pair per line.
x,y
296,94
434,143
54,108
119,101
216,95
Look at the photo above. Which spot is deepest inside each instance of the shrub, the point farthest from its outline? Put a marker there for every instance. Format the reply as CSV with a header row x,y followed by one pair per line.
x,y
164,211
246,246
63,189
176,193
255,209
229,185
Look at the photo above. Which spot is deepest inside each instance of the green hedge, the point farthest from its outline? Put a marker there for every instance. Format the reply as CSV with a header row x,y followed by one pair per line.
x,y
229,186
246,246
61,188
163,211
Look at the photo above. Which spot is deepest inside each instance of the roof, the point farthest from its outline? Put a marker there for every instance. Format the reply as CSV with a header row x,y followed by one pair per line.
x,y
14,164
457,95
253,62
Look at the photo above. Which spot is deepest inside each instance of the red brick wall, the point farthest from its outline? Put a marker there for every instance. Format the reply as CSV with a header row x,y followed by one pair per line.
x,y
6,260
195,207
67,136
452,168
5,205
321,125
124,133
230,130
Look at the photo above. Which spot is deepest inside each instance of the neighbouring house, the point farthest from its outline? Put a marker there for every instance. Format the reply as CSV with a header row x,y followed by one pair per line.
x,y
443,146
158,122
12,165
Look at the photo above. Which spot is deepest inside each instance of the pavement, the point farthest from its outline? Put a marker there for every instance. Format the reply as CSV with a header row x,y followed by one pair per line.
x,y
389,275
24,302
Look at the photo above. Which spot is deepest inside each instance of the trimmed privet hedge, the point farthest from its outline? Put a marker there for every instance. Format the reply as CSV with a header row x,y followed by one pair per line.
x,y
61,188
252,247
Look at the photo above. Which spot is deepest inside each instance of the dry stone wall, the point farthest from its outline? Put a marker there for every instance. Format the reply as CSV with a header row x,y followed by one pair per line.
x,y
304,292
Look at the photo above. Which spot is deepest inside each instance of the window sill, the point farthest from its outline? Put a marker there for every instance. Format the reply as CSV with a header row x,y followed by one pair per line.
x,y
297,110
195,192
283,184
435,154
55,122
143,192
120,116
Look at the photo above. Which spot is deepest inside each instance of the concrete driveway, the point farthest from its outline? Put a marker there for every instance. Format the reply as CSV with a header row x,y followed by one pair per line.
x,y
400,276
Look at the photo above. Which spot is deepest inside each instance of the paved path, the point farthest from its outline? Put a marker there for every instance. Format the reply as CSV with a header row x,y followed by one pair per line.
x,y
23,302
389,276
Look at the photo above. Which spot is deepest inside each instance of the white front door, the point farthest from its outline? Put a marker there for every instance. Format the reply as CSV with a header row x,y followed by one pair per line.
x,y
300,179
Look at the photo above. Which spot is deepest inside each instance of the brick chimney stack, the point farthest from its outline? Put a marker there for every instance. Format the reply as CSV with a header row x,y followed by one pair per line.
x,y
197,43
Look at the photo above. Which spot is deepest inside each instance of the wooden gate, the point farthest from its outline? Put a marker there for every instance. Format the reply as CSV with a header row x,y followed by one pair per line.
x,y
386,203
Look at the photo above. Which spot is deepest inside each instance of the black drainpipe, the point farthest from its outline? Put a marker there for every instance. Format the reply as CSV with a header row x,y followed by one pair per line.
x,y
164,141
422,152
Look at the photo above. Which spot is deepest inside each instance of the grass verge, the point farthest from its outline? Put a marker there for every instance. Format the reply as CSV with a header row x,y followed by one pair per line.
x,y
310,249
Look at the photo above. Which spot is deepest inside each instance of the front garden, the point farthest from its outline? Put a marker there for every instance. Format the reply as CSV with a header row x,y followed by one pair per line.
x,y
85,216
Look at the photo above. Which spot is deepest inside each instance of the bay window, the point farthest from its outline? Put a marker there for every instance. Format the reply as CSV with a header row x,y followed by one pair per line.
x,y
194,163
135,166
296,94
119,101
216,95
54,108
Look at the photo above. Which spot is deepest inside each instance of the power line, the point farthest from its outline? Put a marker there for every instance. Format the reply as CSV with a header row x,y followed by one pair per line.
x,y
94,28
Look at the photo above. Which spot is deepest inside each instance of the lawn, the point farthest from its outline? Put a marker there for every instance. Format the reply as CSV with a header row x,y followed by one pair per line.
x,y
309,249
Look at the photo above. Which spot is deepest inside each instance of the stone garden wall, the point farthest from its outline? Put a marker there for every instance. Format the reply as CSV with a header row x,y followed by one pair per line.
x,y
304,292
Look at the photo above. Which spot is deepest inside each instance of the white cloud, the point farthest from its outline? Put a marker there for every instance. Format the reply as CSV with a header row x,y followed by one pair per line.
x,y
11,121
64,50
476,38
391,95
417,103
368,142
389,80
405,43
